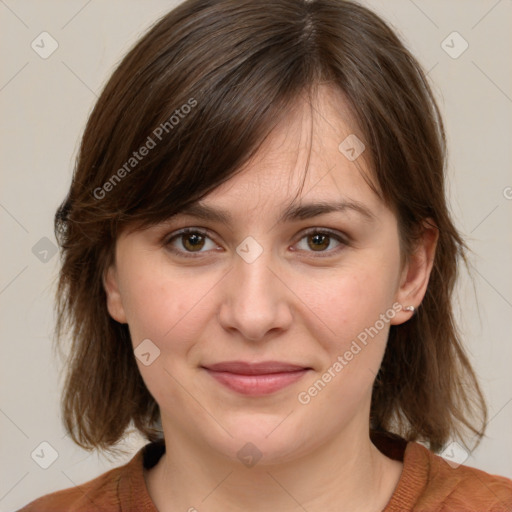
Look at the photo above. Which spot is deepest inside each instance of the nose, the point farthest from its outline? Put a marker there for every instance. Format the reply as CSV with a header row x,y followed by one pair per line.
x,y
256,300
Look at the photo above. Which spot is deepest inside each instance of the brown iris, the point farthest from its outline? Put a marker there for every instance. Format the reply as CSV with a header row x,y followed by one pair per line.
x,y
320,241
196,241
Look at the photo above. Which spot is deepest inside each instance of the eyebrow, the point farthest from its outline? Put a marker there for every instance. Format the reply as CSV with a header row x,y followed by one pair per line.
x,y
291,213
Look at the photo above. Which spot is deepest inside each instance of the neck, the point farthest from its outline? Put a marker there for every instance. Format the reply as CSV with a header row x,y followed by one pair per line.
x,y
348,473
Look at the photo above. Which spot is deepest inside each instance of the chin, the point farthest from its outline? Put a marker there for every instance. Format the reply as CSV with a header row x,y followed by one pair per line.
x,y
260,440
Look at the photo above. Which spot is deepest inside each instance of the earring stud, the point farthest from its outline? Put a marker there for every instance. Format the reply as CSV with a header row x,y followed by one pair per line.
x,y
410,308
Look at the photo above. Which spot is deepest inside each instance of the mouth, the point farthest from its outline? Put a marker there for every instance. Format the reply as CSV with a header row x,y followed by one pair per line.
x,y
256,379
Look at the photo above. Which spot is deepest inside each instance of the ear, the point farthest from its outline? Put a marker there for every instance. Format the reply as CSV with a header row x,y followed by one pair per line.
x,y
114,302
416,272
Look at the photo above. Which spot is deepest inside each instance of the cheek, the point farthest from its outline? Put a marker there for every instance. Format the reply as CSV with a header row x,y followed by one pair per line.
x,y
343,303
346,321
344,316
164,306
167,309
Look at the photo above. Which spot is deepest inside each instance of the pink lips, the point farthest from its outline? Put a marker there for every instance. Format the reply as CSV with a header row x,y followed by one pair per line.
x,y
256,378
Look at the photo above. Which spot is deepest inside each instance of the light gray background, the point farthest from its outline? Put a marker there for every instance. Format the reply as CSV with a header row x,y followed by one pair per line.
x,y
44,106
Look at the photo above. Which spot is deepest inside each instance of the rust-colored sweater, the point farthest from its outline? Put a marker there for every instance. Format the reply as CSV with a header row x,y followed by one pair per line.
x,y
427,484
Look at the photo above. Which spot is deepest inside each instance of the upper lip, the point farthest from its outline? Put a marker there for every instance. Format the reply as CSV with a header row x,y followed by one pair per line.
x,y
252,368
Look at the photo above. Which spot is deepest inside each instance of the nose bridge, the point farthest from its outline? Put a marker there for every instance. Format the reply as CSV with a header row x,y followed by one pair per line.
x,y
256,299
252,267
252,273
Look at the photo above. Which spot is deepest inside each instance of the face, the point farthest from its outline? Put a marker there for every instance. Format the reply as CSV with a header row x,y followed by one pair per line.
x,y
319,292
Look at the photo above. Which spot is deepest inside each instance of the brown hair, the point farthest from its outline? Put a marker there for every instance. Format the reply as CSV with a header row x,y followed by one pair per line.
x,y
201,91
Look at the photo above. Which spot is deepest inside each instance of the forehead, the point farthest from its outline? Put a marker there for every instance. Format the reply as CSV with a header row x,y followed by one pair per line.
x,y
305,145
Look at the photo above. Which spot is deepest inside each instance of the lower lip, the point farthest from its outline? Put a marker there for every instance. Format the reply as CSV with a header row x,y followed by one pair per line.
x,y
257,384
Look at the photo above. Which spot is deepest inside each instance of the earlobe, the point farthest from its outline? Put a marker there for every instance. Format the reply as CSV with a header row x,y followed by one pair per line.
x,y
114,302
416,273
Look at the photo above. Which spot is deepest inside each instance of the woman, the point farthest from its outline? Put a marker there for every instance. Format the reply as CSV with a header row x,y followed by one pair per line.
x,y
258,264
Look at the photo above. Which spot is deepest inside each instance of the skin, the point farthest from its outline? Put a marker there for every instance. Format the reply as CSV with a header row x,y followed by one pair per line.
x,y
294,303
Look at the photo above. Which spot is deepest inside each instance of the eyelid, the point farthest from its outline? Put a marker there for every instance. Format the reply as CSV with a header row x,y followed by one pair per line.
x,y
326,231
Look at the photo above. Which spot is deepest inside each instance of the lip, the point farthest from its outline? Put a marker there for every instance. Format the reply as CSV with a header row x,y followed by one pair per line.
x,y
256,379
253,368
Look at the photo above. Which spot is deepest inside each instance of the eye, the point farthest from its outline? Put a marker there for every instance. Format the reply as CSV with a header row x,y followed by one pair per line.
x,y
318,240
190,240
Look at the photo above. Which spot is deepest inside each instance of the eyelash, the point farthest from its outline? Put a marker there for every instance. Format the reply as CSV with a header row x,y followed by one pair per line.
x,y
312,231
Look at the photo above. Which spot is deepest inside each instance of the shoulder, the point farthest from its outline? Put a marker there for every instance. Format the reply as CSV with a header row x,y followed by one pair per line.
x,y
98,494
450,486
